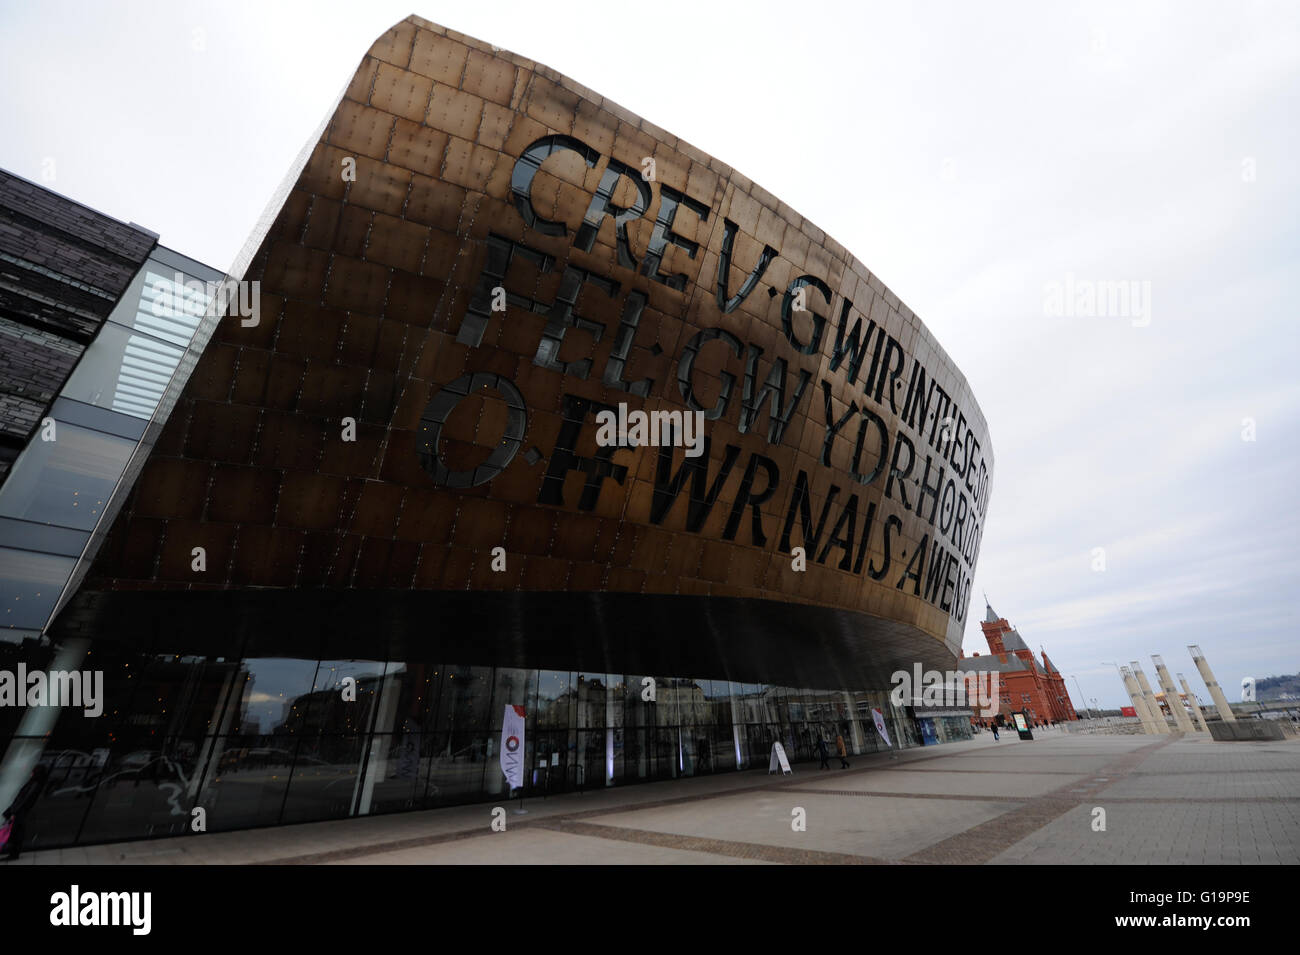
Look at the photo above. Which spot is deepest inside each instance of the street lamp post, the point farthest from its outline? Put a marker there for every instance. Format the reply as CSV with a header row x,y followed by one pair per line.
x,y
1118,672
1084,698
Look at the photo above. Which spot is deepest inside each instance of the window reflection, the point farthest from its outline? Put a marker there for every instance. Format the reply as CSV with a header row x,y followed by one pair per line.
x,y
67,481
554,698
125,372
262,740
142,784
324,780
30,583
342,699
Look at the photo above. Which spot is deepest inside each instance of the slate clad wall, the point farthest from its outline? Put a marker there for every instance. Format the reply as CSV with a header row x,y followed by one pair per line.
x,y
62,269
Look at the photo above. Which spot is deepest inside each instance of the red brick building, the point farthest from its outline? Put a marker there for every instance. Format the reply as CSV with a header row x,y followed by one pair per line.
x,y
1024,682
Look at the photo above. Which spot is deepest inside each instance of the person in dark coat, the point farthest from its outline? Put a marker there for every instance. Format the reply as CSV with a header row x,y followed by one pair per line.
x,y
823,753
995,731
18,809
842,750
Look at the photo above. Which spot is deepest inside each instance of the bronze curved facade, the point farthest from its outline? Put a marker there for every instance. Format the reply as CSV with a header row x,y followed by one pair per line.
x,y
405,485
452,180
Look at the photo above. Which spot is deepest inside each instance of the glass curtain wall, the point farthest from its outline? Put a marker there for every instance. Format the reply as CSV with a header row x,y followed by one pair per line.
x,y
62,483
253,737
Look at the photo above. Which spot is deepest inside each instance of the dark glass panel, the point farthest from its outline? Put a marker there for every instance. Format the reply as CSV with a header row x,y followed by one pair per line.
x,y
326,777
555,698
146,787
66,481
245,781
462,739
30,583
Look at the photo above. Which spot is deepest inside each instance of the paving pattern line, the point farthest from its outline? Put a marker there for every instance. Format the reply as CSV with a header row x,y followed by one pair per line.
x,y
888,795
719,847
871,762
1209,800
981,843
1213,772
394,845
415,842
989,772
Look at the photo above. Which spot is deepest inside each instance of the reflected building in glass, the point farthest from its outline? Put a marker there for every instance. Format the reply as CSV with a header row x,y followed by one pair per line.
x,y
316,552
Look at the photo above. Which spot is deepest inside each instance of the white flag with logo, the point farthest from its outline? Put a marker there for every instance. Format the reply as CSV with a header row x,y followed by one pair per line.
x,y
879,720
512,746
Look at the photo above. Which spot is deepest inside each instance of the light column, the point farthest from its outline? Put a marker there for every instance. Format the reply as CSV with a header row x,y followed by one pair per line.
x,y
1216,691
1152,704
1171,695
1197,718
1139,704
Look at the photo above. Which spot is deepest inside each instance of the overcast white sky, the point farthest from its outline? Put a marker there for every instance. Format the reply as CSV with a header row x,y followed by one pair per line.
x,y
969,154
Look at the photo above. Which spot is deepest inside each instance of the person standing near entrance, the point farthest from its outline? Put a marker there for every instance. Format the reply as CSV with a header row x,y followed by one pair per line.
x,y
842,750
823,753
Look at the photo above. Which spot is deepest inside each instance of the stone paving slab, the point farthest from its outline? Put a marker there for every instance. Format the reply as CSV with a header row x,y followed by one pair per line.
x,y
994,783
881,827
981,843
1186,759
1226,786
1046,762
1146,834
721,847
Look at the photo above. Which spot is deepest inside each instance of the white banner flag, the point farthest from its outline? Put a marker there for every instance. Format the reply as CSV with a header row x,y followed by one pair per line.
x,y
512,746
880,727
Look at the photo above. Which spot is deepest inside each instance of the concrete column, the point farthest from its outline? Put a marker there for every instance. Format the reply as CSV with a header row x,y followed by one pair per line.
x,y
1216,691
1139,704
1197,718
35,726
851,707
1162,726
383,714
611,711
223,715
1171,695
1135,699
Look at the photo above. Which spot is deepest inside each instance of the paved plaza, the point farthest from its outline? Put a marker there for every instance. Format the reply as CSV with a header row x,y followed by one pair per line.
x,y
1166,800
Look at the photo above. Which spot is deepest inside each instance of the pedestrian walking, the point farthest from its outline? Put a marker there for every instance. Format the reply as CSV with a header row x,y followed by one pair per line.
x,y
822,752
842,750
995,732
16,814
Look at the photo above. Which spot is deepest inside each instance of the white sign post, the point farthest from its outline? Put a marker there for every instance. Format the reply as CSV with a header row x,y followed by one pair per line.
x,y
778,760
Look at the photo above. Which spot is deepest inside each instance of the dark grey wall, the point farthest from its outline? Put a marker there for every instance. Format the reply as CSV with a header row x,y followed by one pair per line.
x,y
62,269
